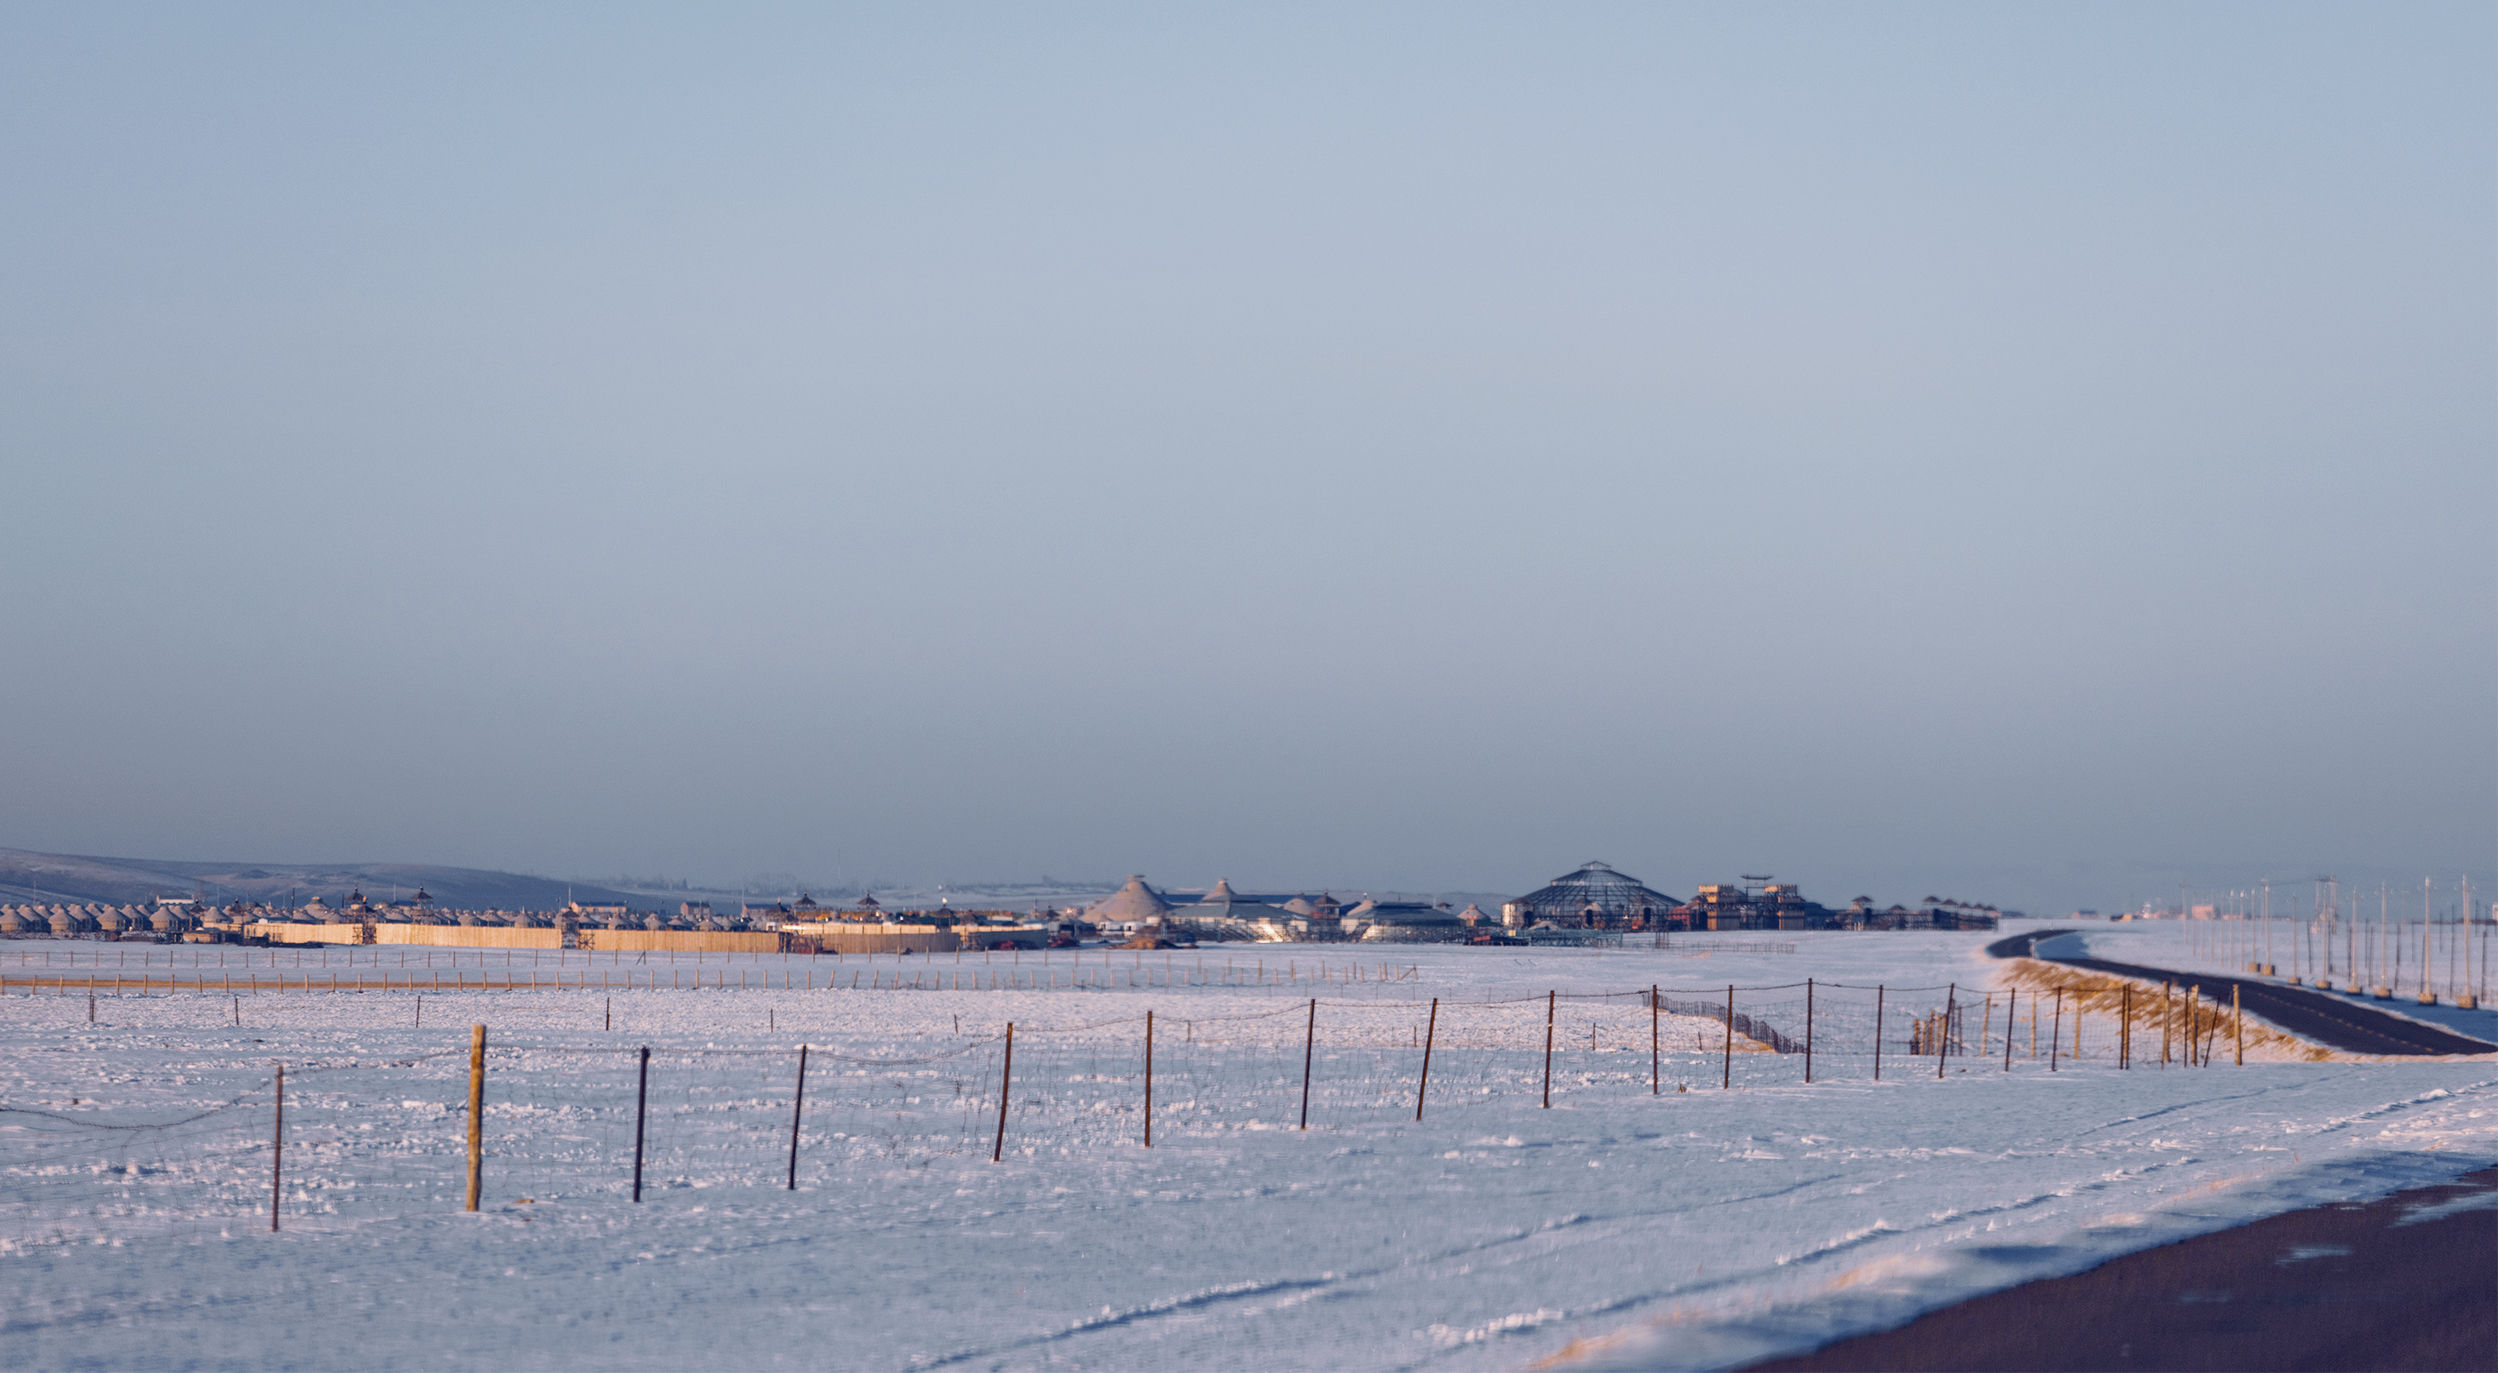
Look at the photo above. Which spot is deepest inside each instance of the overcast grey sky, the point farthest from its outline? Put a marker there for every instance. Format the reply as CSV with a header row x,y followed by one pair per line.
x,y
2024,452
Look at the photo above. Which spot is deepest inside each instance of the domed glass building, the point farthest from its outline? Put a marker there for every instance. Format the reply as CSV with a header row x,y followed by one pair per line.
x,y
1594,897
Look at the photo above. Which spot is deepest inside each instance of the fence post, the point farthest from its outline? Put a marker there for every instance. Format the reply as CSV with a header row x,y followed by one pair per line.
x,y
1149,1079
1549,998
277,1150
1655,1074
2055,1031
1878,1033
1943,1040
2125,1026
2194,1024
1005,1084
2012,1014
1808,1031
797,1112
1309,1048
1431,1031
2237,1020
1727,1082
641,1106
476,1112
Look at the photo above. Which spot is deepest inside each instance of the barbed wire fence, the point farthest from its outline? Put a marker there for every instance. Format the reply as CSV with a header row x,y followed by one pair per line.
x,y
586,1107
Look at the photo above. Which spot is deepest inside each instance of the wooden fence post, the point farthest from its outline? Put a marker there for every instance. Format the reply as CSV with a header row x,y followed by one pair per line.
x,y
1878,1032
476,1113
1943,1037
1149,1079
797,1112
1808,1031
2012,1012
1727,1081
1431,1032
641,1108
2125,1026
2055,1031
1005,1084
1655,1075
1309,1048
2194,1024
277,1150
1549,998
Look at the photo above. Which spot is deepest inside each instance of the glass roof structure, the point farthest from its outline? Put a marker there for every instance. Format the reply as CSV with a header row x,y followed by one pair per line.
x,y
1593,895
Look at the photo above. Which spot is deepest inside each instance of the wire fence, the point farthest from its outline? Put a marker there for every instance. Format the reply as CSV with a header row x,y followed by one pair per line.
x,y
231,969
214,1137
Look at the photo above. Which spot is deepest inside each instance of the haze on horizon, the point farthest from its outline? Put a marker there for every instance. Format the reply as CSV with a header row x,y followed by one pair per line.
x,y
2032,454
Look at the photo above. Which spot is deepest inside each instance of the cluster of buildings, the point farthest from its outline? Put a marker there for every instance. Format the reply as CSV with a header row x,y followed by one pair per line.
x,y
1139,912
1594,899
161,920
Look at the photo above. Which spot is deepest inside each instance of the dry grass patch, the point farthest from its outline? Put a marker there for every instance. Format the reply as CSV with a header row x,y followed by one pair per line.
x,y
2101,1000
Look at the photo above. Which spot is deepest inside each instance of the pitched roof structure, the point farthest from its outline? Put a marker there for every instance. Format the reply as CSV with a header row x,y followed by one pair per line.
x,y
1594,894
1223,903
1135,901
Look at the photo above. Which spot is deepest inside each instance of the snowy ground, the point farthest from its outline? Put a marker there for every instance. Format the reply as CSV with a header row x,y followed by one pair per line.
x,y
1616,1228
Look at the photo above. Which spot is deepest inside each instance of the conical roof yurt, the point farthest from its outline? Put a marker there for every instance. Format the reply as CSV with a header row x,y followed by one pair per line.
x,y
1135,901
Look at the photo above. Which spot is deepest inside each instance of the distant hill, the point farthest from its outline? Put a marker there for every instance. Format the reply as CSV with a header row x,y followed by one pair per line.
x,y
29,876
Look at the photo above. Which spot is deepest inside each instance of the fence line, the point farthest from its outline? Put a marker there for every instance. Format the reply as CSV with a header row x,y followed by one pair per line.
x,y
381,1132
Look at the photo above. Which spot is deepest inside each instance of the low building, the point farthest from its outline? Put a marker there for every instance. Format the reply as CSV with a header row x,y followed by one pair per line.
x,y
1405,922
1225,914
1773,906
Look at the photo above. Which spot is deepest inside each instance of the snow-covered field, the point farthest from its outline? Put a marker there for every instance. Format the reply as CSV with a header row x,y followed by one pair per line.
x,y
1617,1227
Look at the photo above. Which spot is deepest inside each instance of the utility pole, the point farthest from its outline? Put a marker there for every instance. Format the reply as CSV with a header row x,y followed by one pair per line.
x,y
2331,907
2267,927
2427,891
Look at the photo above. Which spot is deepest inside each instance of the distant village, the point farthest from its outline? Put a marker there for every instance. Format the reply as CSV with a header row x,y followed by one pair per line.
x,y
1594,904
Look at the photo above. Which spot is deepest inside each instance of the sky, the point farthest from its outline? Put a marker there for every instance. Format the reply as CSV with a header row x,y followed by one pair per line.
x,y
2038,454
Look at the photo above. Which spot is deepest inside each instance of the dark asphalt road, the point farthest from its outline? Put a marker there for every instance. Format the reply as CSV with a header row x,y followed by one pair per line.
x,y
2407,1282
2326,1020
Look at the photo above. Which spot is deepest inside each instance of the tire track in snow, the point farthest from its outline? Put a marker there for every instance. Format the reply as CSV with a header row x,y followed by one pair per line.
x,y
1333,1282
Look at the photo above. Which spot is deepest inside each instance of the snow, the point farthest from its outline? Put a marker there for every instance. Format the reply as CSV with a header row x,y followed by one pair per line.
x,y
1692,1228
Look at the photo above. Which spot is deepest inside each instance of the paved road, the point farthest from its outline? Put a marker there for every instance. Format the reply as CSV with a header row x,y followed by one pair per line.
x,y
2407,1282
2326,1020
